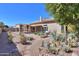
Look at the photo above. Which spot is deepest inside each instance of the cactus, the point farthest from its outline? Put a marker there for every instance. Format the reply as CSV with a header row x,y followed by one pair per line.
x,y
57,36
72,40
53,48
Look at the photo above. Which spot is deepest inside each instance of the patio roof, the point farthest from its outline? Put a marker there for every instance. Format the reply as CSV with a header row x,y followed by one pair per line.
x,y
34,25
45,21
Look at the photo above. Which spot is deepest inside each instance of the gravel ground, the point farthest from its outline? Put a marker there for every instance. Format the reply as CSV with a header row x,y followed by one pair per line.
x,y
33,49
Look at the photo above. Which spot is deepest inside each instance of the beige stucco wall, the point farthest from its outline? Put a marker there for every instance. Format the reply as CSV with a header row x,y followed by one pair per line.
x,y
17,26
54,27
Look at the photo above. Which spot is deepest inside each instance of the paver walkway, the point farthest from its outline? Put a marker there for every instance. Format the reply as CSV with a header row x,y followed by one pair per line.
x,y
36,44
35,47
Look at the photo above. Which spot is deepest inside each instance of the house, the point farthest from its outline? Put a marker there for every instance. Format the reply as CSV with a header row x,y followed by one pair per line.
x,y
45,25
22,27
39,26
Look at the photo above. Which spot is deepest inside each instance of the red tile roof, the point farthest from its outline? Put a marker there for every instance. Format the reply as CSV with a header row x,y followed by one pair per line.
x,y
44,21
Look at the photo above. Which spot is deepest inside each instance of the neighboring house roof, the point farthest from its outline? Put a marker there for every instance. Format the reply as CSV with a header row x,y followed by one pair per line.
x,y
22,24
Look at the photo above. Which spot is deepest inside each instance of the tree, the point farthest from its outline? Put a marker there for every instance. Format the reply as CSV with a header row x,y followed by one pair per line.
x,y
6,26
1,25
65,13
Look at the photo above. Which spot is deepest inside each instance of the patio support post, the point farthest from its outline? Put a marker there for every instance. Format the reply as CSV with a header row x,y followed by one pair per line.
x,y
29,29
19,29
65,32
35,29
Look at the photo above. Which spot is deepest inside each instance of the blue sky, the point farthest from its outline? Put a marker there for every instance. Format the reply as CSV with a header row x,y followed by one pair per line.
x,y
12,14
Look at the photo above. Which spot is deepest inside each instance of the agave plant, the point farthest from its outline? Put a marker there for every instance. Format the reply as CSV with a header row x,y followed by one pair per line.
x,y
56,36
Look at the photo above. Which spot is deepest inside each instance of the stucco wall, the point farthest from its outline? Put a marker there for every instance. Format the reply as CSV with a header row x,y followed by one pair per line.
x,y
54,27
17,26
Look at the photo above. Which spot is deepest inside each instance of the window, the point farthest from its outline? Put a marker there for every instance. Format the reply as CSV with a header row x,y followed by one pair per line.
x,y
45,28
45,25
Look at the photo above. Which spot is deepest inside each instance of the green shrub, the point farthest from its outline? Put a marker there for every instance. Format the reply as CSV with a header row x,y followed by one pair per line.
x,y
35,33
67,49
22,38
30,38
10,37
39,33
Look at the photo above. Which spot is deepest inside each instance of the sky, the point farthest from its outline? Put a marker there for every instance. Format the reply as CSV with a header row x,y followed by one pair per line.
x,y
20,13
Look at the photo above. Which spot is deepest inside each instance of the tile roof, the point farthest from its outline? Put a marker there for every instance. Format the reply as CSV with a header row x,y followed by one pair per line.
x,y
44,21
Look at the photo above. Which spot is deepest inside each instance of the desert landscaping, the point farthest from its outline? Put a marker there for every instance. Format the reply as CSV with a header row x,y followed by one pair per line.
x,y
33,44
24,34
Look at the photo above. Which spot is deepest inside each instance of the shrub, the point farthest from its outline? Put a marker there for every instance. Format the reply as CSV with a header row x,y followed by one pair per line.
x,y
22,38
10,37
35,33
30,38
67,49
39,33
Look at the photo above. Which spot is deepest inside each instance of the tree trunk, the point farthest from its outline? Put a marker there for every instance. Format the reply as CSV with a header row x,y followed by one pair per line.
x,y
65,32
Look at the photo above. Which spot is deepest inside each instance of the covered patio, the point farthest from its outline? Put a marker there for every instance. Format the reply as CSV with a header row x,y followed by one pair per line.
x,y
36,28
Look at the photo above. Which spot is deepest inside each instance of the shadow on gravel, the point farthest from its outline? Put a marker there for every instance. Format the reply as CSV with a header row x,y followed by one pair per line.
x,y
28,43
